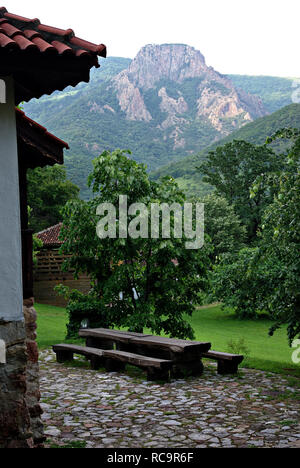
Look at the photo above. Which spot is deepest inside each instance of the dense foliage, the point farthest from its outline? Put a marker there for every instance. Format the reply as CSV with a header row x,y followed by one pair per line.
x,y
48,191
82,307
232,170
243,284
223,226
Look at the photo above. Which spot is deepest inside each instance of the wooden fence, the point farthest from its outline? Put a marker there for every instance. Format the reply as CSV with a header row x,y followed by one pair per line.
x,y
48,274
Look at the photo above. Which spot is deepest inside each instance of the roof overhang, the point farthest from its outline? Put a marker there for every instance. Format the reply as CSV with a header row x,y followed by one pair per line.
x,y
36,146
43,59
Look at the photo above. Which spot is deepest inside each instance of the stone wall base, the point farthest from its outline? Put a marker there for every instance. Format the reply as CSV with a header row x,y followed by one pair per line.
x,y
20,421
32,374
15,429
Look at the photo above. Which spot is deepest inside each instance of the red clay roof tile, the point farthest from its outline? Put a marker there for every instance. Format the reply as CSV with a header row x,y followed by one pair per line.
x,y
62,48
24,43
17,17
31,33
43,45
50,236
6,41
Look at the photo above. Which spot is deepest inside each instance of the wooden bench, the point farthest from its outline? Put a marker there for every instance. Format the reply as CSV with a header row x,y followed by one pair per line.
x,y
115,360
227,363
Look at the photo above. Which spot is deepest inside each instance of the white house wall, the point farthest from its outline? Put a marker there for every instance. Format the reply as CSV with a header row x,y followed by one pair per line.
x,y
11,305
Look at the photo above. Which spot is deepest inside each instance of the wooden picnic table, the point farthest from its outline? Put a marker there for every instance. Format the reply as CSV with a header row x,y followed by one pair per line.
x,y
185,355
161,357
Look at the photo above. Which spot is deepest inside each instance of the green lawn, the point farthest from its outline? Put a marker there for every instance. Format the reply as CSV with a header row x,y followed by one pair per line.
x,y
51,325
271,353
210,324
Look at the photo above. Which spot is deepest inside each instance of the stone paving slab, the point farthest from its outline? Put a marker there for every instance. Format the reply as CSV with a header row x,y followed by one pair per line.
x,y
99,409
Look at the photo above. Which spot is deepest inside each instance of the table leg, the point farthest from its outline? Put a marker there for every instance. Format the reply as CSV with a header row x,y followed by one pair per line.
x,y
157,374
96,362
111,365
63,356
182,370
227,367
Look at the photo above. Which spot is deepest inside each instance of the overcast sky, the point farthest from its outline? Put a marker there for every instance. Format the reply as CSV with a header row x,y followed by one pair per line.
x,y
254,37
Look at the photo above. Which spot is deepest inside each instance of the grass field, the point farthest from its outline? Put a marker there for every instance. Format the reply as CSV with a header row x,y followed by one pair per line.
x,y
210,324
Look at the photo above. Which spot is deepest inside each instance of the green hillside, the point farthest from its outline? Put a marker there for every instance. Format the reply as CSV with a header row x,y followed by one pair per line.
x,y
275,92
256,132
90,118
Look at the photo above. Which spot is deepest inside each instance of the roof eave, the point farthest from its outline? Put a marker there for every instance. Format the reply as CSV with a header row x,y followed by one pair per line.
x,y
36,146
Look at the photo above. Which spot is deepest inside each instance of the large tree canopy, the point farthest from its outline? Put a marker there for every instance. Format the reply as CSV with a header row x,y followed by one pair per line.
x,y
232,169
280,237
267,278
141,282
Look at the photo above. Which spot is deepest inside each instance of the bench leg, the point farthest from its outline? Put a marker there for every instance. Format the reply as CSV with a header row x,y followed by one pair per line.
x,y
63,356
157,374
227,367
96,362
112,365
183,370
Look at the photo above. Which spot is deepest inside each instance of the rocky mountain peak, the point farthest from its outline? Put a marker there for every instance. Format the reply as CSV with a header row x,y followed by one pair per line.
x,y
174,62
196,89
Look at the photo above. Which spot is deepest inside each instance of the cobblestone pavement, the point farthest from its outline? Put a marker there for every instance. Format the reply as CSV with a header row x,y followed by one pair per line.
x,y
97,409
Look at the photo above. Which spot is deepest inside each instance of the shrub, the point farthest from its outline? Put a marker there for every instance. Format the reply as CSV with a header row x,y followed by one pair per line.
x,y
238,347
83,307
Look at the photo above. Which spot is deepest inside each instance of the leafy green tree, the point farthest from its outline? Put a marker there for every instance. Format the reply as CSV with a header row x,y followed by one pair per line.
x,y
267,278
280,235
48,191
232,169
142,282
